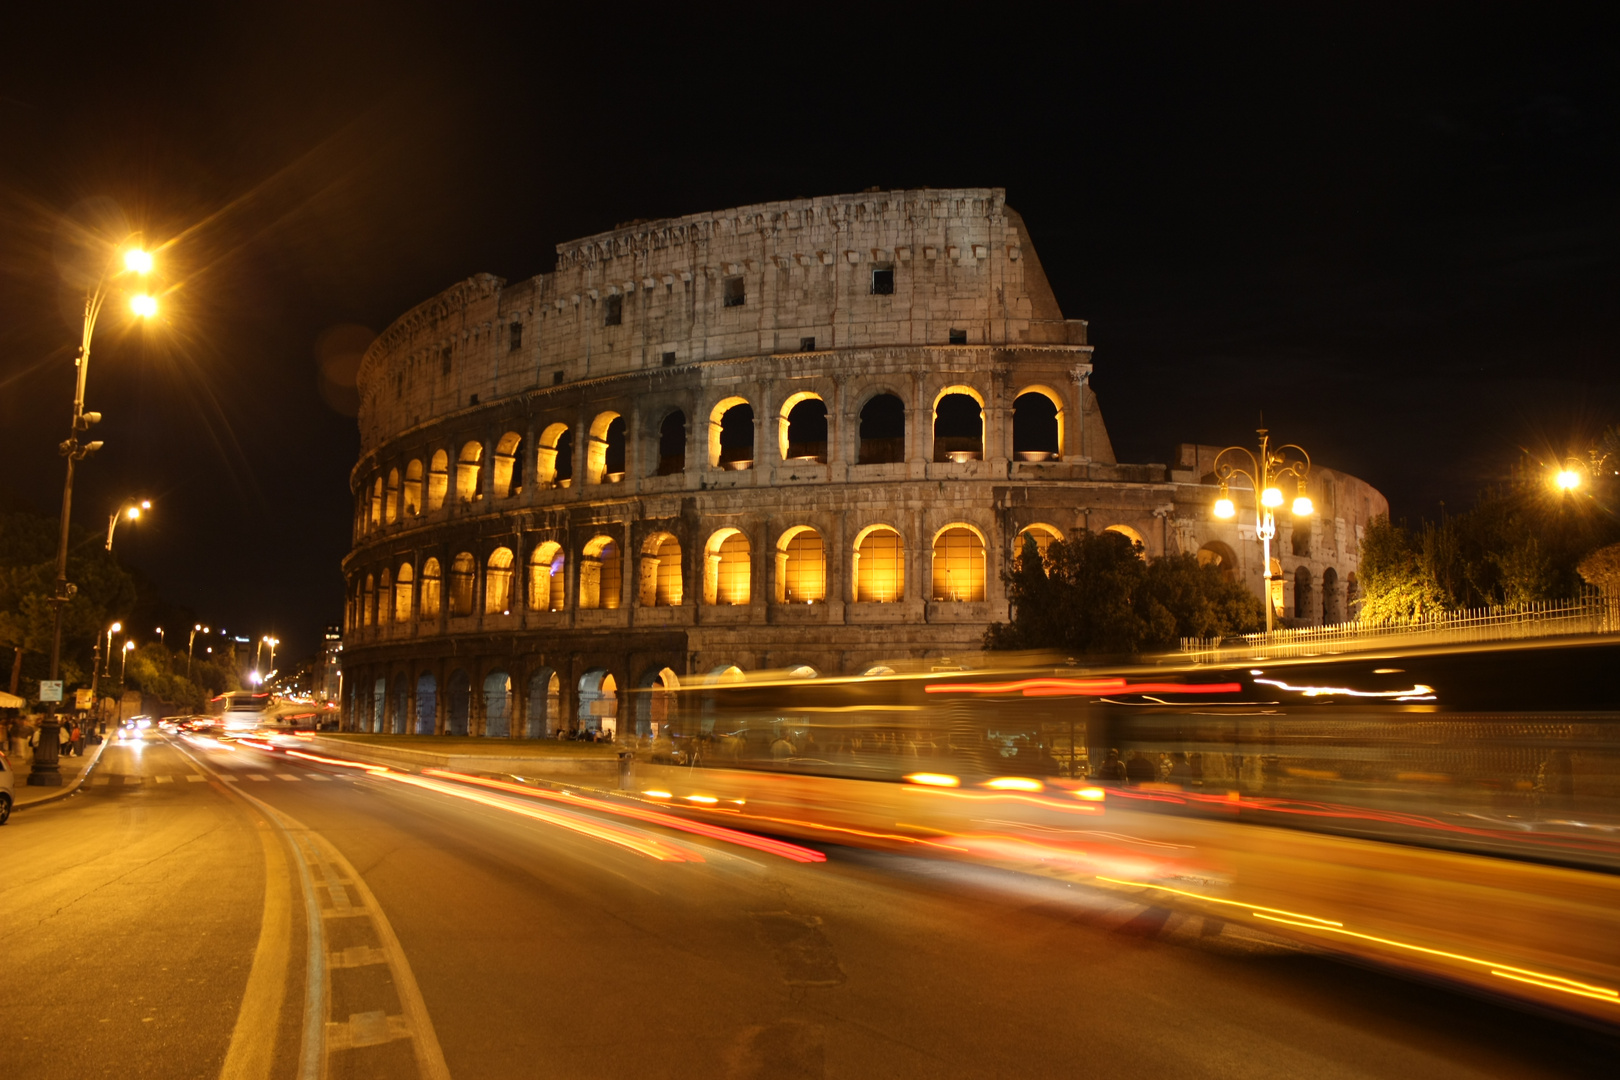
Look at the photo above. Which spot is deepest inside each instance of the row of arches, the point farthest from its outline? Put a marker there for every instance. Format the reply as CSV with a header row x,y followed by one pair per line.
x,y
801,435
877,569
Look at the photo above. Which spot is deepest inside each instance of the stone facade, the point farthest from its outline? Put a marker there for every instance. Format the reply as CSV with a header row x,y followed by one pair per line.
x,y
780,436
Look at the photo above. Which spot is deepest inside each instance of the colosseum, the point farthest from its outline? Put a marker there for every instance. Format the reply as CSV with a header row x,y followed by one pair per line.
x,y
802,435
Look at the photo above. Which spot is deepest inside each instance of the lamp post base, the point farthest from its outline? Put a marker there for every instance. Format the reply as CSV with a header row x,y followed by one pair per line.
x,y
45,771
45,776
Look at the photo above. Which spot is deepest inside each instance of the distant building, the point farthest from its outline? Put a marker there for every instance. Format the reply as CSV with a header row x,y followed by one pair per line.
x,y
798,435
331,683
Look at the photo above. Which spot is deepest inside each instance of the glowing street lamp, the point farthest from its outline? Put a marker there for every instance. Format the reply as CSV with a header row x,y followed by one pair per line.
x,y
1264,475
191,643
123,658
131,510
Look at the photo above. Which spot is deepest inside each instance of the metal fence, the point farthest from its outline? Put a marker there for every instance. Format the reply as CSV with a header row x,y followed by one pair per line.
x,y
1590,613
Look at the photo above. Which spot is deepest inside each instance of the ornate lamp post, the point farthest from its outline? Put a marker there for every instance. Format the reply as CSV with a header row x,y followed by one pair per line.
x,y
1264,474
46,772
131,510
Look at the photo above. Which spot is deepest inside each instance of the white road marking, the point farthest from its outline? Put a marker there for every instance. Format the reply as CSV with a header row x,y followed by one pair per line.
x,y
230,779
165,779
318,776
263,779
196,778
288,776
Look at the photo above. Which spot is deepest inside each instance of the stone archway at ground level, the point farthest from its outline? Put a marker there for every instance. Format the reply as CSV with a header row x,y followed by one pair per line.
x,y
598,702
401,721
459,702
543,708
426,704
655,702
498,705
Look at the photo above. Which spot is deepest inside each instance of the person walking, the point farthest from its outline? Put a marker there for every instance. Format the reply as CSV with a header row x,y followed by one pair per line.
x,y
78,739
1140,769
1113,769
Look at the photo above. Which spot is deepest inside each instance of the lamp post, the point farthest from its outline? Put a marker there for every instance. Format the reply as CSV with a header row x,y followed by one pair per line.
x,y
95,666
1264,472
161,639
191,643
272,642
1575,472
131,510
46,772
123,658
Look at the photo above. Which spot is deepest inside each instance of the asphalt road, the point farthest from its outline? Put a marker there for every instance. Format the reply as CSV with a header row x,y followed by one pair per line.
x,y
203,913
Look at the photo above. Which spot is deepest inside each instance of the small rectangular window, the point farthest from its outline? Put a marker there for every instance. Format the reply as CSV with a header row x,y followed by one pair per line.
x,y
735,296
613,310
556,378
807,344
517,336
473,400
958,337
669,359
883,280
444,359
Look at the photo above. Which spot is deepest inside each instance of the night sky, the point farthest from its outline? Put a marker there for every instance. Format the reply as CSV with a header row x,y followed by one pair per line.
x,y
1393,229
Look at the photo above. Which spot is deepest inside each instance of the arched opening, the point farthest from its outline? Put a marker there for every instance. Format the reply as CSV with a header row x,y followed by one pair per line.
x,y
1219,555
601,570
463,571
468,473
883,431
459,702
543,709
605,458
438,479
1132,535
1304,600
1331,611
402,705
385,599
801,567
506,478
546,578
554,464
1043,535
725,676
403,580
368,603
413,488
655,706
498,582
598,702
727,568
1038,425
672,444
959,565
391,498
661,582
880,566
498,705
426,703
803,428
958,425
376,502
731,434
379,705
430,590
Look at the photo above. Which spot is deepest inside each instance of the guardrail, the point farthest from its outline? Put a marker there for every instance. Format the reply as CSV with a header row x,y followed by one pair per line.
x,y
1591,613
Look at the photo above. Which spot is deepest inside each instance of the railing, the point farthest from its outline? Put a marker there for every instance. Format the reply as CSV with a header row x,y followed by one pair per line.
x,y
1590,613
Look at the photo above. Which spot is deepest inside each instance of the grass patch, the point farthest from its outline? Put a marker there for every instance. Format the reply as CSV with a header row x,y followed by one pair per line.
x,y
473,746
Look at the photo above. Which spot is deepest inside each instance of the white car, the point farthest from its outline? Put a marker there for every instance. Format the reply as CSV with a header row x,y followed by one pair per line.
x,y
6,789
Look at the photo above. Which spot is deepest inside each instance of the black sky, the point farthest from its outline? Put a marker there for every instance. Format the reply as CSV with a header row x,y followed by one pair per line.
x,y
1394,229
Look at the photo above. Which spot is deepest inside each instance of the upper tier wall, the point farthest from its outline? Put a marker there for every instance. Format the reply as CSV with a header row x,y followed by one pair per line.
x,y
734,284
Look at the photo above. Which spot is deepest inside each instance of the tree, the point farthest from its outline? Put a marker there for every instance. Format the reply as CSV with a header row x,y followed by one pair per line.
x,y
1601,569
1095,593
1398,583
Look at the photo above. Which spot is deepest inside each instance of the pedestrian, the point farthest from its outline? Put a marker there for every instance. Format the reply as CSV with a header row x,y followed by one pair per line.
x,y
1112,769
1140,769
78,740
1180,769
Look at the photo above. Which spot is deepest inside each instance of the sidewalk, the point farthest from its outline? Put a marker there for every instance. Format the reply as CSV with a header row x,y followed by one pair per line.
x,y
74,770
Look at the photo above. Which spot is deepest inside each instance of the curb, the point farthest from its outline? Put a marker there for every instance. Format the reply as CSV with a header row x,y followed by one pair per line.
x,y
68,788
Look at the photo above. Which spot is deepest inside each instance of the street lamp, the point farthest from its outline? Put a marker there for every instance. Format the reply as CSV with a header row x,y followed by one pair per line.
x,y
95,665
1265,474
191,643
131,510
272,642
161,639
123,658
46,771
1575,472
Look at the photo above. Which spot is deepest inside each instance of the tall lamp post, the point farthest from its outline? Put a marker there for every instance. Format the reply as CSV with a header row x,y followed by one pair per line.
x,y
46,771
1264,473
272,642
191,643
95,666
131,510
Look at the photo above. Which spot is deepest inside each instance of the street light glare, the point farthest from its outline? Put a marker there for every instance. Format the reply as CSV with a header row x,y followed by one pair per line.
x,y
146,504
1303,506
1272,497
116,627
138,261
143,305
1567,479
1224,508
133,512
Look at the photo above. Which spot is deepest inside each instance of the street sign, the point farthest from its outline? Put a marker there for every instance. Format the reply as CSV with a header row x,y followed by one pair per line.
x,y
84,700
50,689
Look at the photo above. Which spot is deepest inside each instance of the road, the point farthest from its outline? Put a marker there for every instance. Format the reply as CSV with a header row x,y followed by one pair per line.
x,y
158,924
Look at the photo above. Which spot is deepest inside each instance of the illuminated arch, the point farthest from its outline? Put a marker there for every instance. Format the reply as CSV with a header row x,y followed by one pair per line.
x,y
498,582
497,705
543,710
655,705
368,603
598,701
1219,555
801,566
1132,535
727,568
463,572
507,471
661,584
546,577
959,564
403,587
468,472
802,427
1043,533
600,574
438,479
1037,432
391,500
413,488
726,440
879,565
727,675
431,594
604,456
958,424
376,502
550,468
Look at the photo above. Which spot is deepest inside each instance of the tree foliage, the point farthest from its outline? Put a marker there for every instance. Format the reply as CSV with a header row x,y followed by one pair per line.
x,y
1601,569
1095,593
